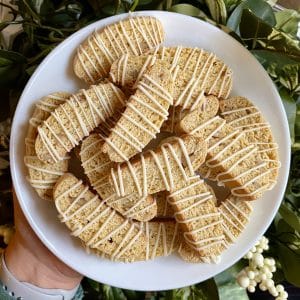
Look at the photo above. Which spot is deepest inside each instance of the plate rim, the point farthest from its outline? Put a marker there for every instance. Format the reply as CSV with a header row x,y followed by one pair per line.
x,y
13,152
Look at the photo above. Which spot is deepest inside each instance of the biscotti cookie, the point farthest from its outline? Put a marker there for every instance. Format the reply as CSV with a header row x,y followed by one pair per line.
x,y
237,164
159,170
191,255
240,113
76,118
42,176
178,116
143,117
194,204
195,73
235,213
97,165
193,123
232,159
134,35
162,238
97,225
164,209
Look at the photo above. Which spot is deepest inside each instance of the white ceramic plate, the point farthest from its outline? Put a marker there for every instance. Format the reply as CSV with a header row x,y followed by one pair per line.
x,y
55,74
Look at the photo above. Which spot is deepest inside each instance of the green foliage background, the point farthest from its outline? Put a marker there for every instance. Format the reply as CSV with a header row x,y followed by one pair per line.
x,y
270,35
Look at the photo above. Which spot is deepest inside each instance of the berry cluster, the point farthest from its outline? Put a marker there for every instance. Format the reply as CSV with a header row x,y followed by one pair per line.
x,y
260,272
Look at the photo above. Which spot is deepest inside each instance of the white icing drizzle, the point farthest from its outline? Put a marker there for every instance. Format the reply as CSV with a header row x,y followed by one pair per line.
x,y
103,112
104,217
114,40
123,133
199,79
160,162
194,222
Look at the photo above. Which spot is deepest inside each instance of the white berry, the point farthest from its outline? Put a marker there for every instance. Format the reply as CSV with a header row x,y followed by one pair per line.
x,y
258,259
262,287
273,291
272,269
243,281
263,277
284,294
251,274
279,288
251,288
269,283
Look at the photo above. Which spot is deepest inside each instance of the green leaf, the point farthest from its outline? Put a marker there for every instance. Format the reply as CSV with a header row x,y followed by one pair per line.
x,y
112,293
271,57
187,9
253,28
133,295
217,9
178,294
94,284
42,7
206,290
228,288
259,8
234,20
290,109
262,10
287,20
11,68
290,263
290,216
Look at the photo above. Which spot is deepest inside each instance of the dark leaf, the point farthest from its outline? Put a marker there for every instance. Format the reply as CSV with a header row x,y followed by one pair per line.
x,y
290,216
259,8
11,68
94,284
41,7
290,263
133,295
207,288
268,57
253,28
234,20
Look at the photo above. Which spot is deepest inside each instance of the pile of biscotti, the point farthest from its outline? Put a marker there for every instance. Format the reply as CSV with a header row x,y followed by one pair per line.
x,y
136,203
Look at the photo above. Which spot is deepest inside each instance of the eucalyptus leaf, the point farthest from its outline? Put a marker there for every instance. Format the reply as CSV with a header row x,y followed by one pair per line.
x,y
253,28
42,7
270,57
11,67
259,8
94,284
134,295
290,109
178,294
287,21
234,20
217,9
187,9
290,263
290,216
207,290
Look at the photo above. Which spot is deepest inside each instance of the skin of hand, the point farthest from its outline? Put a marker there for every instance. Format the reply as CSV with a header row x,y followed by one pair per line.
x,y
30,261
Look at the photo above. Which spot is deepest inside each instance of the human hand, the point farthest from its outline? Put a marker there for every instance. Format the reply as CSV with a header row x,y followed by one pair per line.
x,y
30,261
